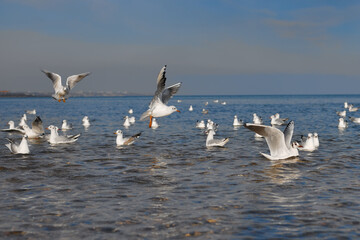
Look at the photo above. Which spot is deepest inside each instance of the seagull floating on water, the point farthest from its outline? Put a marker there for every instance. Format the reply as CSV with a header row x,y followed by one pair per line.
x,y
307,143
200,124
85,121
61,91
191,108
236,122
154,124
352,108
354,119
211,142
131,111
342,124
13,129
22,148
65,125
276,120
33,112
132,119
158,107
341,113
126,122
120,140
316,140
55,138
279,143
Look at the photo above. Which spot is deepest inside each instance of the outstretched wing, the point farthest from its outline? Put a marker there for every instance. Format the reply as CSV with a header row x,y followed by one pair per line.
x,y
55,78
74,79
37,126
288,133
273,136
169,92
161,80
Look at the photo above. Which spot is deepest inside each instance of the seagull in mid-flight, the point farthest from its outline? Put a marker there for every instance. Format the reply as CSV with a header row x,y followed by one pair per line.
x,y
158,107
61,91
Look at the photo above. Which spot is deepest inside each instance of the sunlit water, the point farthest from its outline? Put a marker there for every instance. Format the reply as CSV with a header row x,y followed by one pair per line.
x,y
169,185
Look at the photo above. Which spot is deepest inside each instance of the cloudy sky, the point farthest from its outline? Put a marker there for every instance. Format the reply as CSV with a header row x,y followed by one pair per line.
x,y
212,46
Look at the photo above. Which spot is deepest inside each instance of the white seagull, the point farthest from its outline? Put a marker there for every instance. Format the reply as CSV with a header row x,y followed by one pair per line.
x,y
55,138
279,143
13,129
85,121
211,142
120,140
341,113
200,124
354,119
31,111
132,119
191,108
23,121
342,123
236,122
158,107
22,148
316,140
126,122
307,143
131,111
61,91
154,124
37,130
65,125
276,120
352,108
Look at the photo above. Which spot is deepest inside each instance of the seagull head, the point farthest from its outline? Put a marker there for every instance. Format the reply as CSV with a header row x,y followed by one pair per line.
x,y
174,109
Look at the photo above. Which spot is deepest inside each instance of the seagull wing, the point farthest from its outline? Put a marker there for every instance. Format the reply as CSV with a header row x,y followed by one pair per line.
x,y
74,79
37,126
132,139
288,133
273,136
55,78
169,92
161,80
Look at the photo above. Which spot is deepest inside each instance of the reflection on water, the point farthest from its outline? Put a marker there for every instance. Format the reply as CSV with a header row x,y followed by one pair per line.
x,y
169,185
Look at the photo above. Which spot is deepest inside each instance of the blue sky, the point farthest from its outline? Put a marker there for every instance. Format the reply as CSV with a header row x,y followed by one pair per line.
x,y
213,47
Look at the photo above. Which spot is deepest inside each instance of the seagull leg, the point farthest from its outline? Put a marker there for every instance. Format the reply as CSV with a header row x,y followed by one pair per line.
x,y
150,121
63,99
59,100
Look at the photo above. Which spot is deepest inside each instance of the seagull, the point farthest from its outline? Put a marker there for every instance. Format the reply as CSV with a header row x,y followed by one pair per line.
x,y
223,103
120,140
37,130
276,120
316,140
211,142
257,119
206,103
211,125
346,105
342,113
279,143
158,107
154,124
342,123
65,125
191,108
22,148
31,111
308,144
236,122
216,101
132,120
352,108
200,124
131,111
204,111
62,91
55,138
85,121
13,129
354,119
126,122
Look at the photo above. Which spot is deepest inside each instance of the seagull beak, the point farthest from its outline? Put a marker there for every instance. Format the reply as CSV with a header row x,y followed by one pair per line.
x,y
300,146
47,128
115,133
177,110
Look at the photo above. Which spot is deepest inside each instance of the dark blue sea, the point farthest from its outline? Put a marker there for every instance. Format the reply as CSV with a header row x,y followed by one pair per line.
x,y
168,185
